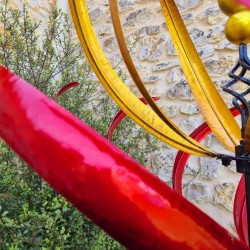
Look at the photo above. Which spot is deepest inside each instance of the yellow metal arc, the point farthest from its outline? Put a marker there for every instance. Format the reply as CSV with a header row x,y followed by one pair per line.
x,y
128,102
134,74
212,106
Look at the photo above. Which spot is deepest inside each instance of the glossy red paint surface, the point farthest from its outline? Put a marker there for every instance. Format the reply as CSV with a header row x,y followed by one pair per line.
x,y
119,117
110,188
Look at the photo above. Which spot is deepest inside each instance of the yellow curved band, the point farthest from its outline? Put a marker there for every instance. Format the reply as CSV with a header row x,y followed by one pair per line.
x,y
212,106
128,102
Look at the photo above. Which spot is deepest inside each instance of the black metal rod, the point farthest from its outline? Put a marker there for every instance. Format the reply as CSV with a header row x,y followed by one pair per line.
x,y
247,187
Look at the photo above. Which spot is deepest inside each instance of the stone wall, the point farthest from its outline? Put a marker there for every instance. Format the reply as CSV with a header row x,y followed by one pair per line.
x,y
207,183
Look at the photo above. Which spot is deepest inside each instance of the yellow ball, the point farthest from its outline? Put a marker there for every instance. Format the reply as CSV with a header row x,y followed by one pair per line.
x,y
238,28
229,7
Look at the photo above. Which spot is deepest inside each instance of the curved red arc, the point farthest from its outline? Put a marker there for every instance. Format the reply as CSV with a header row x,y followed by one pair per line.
x,y
240,216
65,89
120,116
181,158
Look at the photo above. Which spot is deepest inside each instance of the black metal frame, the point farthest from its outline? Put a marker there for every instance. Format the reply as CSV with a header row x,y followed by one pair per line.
x,y
242,157
239,101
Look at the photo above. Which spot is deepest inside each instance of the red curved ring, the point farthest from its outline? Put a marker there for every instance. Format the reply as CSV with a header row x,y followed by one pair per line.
x,y
240,216
181,158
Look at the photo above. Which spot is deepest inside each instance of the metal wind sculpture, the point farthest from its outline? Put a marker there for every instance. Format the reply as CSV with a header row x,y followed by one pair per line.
x,y
119,195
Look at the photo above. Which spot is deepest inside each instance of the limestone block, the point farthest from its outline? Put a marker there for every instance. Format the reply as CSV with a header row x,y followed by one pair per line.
x,y
216,34
210,168
206,51
174,76
116,59
197,192
189,125
154,52
162,165
165,65
151,79
189,109
216,68
198,36
187,4
180,91
105,29
143,54
170,110
213,142
225,44
224,195
146,31
110,44
213,15
188,17
140,16
170,48
126,5
96,14
153,29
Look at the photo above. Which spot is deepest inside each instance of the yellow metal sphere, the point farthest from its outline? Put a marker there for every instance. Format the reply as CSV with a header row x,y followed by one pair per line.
x,y
238,28
230,7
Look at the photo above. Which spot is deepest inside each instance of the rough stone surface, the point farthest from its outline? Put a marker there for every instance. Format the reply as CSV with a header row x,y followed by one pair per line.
x,y
198,192
198,36
96,14
206,51
151,79
210,168
174,75
165,66
126,5
216,34
137,16
180,91
110,44
189,109
171,111
187,4
189,125
162,165
224,195
216,68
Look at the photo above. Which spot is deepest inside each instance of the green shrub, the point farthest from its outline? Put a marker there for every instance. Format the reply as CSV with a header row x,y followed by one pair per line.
x,y
32,215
